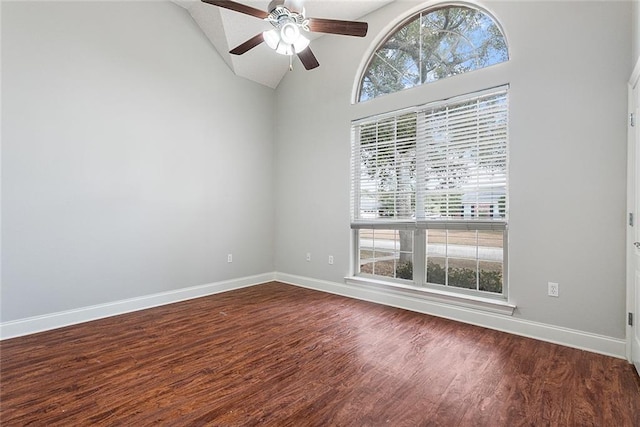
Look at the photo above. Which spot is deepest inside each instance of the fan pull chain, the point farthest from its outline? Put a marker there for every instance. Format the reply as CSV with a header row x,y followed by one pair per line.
x,y
290,62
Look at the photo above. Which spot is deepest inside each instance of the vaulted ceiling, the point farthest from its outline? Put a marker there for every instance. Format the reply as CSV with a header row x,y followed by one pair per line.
x,y
227,29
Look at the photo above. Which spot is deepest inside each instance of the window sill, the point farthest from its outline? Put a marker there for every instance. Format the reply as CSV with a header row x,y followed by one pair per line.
x,y
451,298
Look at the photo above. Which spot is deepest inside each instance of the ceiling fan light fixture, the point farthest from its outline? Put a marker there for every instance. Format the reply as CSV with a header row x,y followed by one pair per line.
x,y
285,49
271,38
289,33
301,44
275,40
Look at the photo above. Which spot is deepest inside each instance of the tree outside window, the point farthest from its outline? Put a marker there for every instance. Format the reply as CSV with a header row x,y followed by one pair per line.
x,y
433,45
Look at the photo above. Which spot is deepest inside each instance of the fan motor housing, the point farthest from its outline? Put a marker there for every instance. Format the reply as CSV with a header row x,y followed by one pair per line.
x,y
292,5
280,17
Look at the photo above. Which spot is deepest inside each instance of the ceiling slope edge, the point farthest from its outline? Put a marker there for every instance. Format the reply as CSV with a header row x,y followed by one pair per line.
x,y
225,30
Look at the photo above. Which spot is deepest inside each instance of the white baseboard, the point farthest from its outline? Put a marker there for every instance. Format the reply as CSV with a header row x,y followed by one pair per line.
x,y
61,319
564,336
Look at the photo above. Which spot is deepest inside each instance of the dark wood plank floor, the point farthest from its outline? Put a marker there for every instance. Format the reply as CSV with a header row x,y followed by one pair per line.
x,y
280,355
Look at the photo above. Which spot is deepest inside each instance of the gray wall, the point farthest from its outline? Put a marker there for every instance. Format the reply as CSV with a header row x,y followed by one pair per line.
x,y
568,72
636,31
128,167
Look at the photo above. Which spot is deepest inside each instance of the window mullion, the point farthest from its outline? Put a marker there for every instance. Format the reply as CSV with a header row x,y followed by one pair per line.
x,y
477,260
421,160
420,235
419,257
446,257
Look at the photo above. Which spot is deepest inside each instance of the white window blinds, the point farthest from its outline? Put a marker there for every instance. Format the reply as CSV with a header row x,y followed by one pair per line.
x,y
437,165
384,168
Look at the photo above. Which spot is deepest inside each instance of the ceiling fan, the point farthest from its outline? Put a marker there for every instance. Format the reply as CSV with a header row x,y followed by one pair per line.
x,y
290,24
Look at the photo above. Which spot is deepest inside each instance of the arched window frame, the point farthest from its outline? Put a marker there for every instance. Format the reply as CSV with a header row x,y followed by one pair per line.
x,y
464,87
389,31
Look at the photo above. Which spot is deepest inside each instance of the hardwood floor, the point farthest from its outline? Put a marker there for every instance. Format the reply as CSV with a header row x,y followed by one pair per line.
x,y
279,355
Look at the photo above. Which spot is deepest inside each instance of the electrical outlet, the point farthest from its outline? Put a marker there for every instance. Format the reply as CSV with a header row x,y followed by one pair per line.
x,y
331,259
554,290
230,258
308,256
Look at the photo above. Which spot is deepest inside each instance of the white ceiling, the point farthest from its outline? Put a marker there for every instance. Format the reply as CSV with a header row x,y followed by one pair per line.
x,y
227,29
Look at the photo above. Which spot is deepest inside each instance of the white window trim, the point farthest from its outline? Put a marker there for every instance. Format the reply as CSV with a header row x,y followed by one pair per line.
x,y
495,303
498,306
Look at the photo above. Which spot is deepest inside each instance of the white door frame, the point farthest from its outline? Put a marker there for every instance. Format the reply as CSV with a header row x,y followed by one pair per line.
x,y
633,175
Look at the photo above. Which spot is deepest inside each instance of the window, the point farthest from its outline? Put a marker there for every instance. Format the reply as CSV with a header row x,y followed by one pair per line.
x,y
429,194
432,45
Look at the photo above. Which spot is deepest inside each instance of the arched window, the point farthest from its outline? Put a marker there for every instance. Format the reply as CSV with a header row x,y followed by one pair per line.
x,y
434,44
429,185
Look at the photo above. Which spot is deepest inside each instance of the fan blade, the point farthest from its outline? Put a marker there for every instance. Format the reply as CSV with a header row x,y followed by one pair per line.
x,y
248,45
308,59
334,26
232,5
